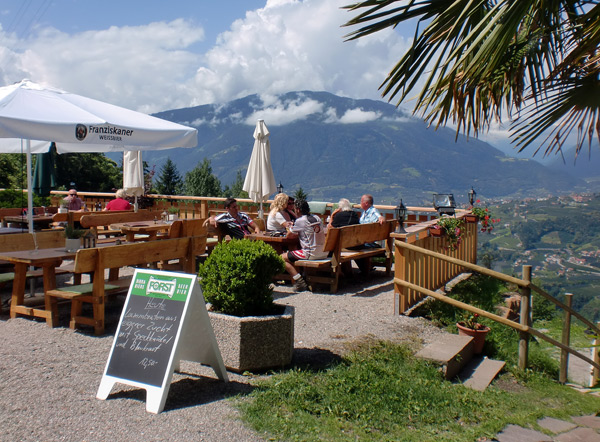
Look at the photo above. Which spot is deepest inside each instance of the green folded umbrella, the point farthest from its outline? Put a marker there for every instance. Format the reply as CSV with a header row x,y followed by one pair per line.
x,y
44,174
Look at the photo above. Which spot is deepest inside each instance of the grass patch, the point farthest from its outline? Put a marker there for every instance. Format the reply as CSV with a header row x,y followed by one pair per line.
x,y
383,393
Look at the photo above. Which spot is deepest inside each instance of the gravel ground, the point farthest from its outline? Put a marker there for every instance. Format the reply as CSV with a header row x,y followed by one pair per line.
x,y
49,377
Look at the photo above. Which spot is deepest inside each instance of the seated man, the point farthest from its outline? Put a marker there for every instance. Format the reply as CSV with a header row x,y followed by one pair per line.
x,y
311,235
236,224
73,202
370,215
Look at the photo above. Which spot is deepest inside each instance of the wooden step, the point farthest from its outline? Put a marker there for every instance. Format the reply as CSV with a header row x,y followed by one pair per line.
x,y
480,372
451,352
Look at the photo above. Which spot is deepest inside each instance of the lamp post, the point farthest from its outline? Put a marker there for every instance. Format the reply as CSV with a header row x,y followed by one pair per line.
x,y
472,195
280,188
400,213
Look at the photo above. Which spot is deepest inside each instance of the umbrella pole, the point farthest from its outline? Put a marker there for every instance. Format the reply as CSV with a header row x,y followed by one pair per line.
x,y
29,191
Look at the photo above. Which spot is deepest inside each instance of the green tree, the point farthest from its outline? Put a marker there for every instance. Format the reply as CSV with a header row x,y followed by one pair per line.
x,y
301,195
169,180
236,190
201,182
534,61
12,170
93,172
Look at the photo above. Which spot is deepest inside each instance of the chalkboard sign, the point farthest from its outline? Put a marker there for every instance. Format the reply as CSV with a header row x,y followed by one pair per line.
x,y
156,314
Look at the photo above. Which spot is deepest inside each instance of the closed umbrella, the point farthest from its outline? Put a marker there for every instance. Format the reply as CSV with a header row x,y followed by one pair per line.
x,y
260,182
133,174
44,173
32,116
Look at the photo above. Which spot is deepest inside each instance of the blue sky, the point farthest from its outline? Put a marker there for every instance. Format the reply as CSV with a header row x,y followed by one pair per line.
x,y
156,55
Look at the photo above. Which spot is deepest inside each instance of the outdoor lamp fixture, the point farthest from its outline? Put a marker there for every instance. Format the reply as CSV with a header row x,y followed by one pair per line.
x,y
280,188
400,213
444,203
472,195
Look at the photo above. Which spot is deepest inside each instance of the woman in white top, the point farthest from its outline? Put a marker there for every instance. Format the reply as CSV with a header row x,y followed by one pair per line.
x,y
276,220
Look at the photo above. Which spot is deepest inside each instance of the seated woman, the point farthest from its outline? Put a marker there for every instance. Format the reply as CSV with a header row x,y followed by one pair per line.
x,y
119,203
344,215
277,221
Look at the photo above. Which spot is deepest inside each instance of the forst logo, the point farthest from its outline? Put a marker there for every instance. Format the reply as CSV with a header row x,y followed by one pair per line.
x,y
161,286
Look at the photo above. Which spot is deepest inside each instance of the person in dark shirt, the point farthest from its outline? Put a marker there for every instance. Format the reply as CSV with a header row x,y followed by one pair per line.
x,y
344,215
236,224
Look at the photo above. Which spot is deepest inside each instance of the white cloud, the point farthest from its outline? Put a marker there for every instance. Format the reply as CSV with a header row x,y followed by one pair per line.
x,y
277,113
286,46
352,116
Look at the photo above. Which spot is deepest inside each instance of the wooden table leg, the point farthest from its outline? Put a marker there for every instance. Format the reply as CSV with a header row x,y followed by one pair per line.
x,y
50,284
18,291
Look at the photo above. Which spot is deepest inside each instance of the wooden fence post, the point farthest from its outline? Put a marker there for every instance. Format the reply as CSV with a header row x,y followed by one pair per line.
x,y
524,318
566,340
400,293
595,375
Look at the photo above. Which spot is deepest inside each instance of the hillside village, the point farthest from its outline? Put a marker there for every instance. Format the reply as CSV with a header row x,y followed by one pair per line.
x,y
553,235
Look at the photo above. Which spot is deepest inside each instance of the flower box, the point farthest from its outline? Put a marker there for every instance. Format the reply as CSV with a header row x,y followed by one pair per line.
x,y
471,218
438,233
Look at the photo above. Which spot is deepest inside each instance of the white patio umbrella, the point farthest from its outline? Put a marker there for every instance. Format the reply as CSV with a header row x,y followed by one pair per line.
x,y
133,174
260,182
32,115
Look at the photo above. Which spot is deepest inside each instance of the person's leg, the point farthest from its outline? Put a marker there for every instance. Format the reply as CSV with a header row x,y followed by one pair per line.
x,y
288,258
289,267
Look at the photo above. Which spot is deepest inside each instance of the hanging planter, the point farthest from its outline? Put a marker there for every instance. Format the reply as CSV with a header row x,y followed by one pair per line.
x,y
438,233
471,218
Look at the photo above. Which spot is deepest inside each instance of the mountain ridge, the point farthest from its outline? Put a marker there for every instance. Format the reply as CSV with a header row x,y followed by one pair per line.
x,y
336,147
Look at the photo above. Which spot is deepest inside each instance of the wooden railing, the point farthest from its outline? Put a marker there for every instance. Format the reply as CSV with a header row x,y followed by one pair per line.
x,y
192,207
423,270
419,273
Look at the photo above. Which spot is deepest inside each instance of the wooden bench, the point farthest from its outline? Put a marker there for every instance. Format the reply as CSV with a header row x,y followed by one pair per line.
x,y
100,222
26,241
98,260
338,240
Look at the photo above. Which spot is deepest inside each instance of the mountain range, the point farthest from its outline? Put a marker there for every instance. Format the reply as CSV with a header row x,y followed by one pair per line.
x,y
336,147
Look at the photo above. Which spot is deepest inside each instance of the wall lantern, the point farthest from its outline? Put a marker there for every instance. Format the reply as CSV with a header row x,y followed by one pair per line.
x,y
472,194
400,213
280,188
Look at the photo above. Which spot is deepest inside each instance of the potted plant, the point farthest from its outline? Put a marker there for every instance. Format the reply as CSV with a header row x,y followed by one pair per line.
x,y
484,216
471,326
449,227
73,238
63,207
252,331
173,212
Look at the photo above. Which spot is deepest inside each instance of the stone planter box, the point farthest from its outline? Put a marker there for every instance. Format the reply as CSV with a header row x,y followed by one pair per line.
x,y
255,343
72,244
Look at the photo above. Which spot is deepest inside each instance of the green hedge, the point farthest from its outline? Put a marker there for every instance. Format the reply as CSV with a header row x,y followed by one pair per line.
x,y
236,277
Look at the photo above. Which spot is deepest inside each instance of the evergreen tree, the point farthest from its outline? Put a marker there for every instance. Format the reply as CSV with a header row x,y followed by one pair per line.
x,y
236,190
201,182
169,180
300,195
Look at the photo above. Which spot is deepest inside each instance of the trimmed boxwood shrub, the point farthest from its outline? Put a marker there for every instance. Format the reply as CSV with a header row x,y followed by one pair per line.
x,y
236,277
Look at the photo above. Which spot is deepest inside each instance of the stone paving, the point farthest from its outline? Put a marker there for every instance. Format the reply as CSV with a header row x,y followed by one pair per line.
x,y
577,429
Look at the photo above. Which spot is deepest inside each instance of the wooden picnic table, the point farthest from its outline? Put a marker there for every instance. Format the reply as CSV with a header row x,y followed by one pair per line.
x,y
48,260
149,228
39,221
279,243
